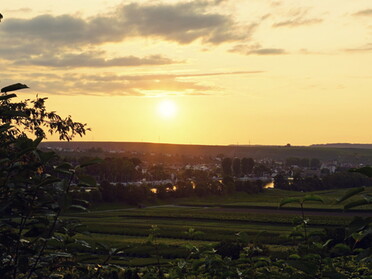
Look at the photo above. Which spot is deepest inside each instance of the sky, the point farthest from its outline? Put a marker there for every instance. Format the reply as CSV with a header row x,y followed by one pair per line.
x,y
213,72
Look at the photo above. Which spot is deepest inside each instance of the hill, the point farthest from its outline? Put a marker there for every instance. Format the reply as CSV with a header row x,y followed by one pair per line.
x,y
324,153
345,145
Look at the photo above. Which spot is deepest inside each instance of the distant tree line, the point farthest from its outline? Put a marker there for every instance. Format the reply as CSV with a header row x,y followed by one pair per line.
x,y
243,167
191,183
237,166
341,179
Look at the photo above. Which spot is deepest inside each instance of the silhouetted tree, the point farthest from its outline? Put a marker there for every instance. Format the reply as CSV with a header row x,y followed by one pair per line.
x,y
281,182
226,166
236,167
247,165
315,163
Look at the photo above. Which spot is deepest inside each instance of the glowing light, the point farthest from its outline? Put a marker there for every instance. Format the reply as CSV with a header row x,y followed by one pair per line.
x,y
167,109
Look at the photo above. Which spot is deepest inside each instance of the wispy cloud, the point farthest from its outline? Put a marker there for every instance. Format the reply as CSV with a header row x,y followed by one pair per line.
x,y
366,48
20,10
110,84
296,18
94,59
367,12
297,22
257,50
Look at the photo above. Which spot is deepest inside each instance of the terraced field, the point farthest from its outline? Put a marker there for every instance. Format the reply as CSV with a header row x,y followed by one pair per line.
x,y
180,226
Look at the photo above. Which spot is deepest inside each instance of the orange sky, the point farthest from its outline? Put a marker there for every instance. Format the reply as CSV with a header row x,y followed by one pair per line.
x,y
234,71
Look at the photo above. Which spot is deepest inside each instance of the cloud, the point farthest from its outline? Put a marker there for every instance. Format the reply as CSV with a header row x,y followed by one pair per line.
x,y
257,50
60,41
297,17
297,22
94,59
182,23
109,84
367,12
366,48
20,10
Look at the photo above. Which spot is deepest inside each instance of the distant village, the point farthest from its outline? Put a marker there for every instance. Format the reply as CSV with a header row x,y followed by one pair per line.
x,y
166,173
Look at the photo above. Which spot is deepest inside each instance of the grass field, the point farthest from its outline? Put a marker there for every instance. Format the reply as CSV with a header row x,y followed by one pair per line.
x,y
214,218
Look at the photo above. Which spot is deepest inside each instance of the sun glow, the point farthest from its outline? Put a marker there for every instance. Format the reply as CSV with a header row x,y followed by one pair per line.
x,y
167,109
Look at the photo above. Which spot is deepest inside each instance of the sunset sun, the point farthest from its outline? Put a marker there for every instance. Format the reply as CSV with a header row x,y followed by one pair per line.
x,y
167,109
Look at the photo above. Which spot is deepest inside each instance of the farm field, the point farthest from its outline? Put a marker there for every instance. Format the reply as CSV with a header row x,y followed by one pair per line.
x,y
272,198
205,223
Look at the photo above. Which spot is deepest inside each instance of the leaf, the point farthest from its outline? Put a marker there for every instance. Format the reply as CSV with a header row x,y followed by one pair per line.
x,y
327,242
13,113
358,236
37,141
314,198
14,87
5,127
7,97
49,180
46,156
77,208
333,275
358,224
65,168
86,180
341,249
350,193
90,163
294,257
102,246
289,200
304,266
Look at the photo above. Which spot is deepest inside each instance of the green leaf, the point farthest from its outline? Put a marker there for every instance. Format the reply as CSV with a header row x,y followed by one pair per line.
x,y
77,208
90,163
7,97
314,198
350,193
14,87
64,166
80,202
46,156
294,257
341,249
358,236
304,266
289,200
86,180
327,242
